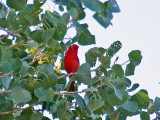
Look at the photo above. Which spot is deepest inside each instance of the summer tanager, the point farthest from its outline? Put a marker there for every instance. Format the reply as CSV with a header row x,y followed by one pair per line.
x,y
71,62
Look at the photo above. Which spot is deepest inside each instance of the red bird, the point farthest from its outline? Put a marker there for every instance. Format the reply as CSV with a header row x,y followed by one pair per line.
x,y
71,62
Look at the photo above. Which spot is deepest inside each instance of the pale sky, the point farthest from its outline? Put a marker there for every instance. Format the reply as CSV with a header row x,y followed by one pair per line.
x,y
137,26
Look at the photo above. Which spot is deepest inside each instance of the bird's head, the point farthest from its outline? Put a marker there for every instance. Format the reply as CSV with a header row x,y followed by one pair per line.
x,y
74,48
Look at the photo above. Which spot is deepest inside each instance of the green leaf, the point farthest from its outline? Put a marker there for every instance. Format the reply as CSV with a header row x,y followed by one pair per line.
x,y
129,69
36,35
84,74
47,34
134,87
64,114
60,31
6,53
114,48
104,18
46,68
44,94
6,81
30,84
35,116
80,27
114,100
86,38
48,80
92,55
118,93
5,107
112,6
13,20
127,82
141,98
7,117
144,115
24,17
45,118
21,95
24,115
130,106
135,57
157,103
56,47
4,23
59,103
119,83
61,8
117,69
79,100
62,2
16,64
24,68
53,17
106,61
73,12
16,4
95,104
94,5
32,46
115,115
77,4
66,18
110,110
39,3
53,108
33,17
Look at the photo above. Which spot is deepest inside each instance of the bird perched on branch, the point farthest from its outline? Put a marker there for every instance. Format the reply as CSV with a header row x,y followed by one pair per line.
x,y
71,62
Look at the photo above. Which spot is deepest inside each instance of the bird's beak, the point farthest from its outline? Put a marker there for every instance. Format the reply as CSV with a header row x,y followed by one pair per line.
x,y
71,46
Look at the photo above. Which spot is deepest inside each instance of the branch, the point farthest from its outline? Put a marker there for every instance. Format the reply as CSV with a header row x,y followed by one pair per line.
x,y
157,118
5,92
17,109
62,76
68,93
125,62
10,33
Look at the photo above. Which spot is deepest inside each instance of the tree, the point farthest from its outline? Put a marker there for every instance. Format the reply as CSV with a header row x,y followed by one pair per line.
x,y
34,39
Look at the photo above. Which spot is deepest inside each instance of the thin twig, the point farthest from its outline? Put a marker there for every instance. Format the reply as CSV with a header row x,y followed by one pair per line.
x,y
157,118
125,62
7,74
68,93
23,59
17,109
5,92
10,33
104,83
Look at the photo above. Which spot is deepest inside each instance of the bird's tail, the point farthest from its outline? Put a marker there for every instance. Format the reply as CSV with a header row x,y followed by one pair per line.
x,y
71,88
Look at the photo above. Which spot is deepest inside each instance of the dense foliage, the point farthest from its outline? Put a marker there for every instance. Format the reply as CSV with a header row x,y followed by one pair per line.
x,y
33,41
